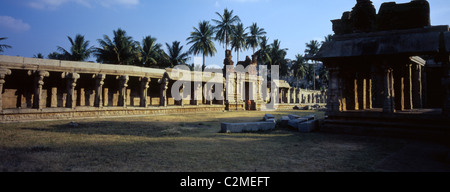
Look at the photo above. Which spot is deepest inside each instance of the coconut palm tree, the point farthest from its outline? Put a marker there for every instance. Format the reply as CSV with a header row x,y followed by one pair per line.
x,y
202,41
255,36
299,67
175,54
238,39
4,46
120,50
263,52
224,28
150,52
277,55
312,48
39,56
79,50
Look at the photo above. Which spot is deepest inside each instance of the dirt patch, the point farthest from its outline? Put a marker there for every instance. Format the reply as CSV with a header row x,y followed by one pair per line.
x,y
417,157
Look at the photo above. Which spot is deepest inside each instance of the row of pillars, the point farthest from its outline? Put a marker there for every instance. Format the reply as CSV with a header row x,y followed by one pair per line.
x,y
395,88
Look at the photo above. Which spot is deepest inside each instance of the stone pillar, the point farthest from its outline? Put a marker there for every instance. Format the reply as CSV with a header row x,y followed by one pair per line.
x,y
144,91
446,86
54,97
38,83
369,90
3,73
361,91
123,84
71,79
399,88
164,85
105,97
354,93
389,103
196,93
99,82
417,86
408,87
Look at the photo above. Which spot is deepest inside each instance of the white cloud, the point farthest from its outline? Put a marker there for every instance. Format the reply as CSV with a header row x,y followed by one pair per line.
x,y
54,4
13,24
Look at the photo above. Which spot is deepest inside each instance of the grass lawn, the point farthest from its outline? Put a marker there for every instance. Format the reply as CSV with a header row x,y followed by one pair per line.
x,y
187,142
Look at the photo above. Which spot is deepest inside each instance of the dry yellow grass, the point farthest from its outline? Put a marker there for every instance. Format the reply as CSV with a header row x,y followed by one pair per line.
x,y
188,142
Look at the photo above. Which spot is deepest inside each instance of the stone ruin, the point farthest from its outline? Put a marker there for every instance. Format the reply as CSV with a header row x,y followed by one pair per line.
x,y
388,71
392,16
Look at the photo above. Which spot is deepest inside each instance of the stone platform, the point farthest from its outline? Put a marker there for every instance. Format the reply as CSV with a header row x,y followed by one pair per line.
x,y
414,124
26,115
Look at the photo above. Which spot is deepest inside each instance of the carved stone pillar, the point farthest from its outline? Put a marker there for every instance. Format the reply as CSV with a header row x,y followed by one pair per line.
x,y
408,87
71,79
362,86
38,83
417,86
3,73
389,103
164,82
99,82
123,84
144,91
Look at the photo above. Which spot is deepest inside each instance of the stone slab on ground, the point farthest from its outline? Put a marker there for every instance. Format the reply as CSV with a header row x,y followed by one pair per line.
x,y
247,127
307,127
284,121
268,117
292,117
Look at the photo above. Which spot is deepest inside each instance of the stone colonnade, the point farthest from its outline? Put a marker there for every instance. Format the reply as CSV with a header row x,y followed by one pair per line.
x,y
29,83
392,84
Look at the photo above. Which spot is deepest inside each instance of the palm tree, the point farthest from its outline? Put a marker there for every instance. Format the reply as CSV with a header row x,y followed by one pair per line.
x,y
328,38
255,37
4,46
121,50
238,39
224,28
150,51
175,54
79,50
278,55
312,48
263,52
299,67
39,56
201,40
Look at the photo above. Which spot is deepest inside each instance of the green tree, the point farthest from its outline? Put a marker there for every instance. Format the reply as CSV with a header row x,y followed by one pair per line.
x,y
263,52
277,55
202,41
120,50
255,36
39,56
224,28
238,39
312,48
175,54
79,50
4,46
150,52
300,67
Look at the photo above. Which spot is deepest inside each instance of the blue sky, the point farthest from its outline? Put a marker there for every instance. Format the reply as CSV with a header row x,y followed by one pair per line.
x,y
39,26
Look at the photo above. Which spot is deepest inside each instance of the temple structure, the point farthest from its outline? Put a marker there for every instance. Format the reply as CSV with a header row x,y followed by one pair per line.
x,y
379,67
41,89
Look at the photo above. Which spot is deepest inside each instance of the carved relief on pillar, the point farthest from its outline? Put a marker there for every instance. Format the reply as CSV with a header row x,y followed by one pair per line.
x,y
389,95
99,82
71,84
123,84
38,83
144,91
3,73
164,85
